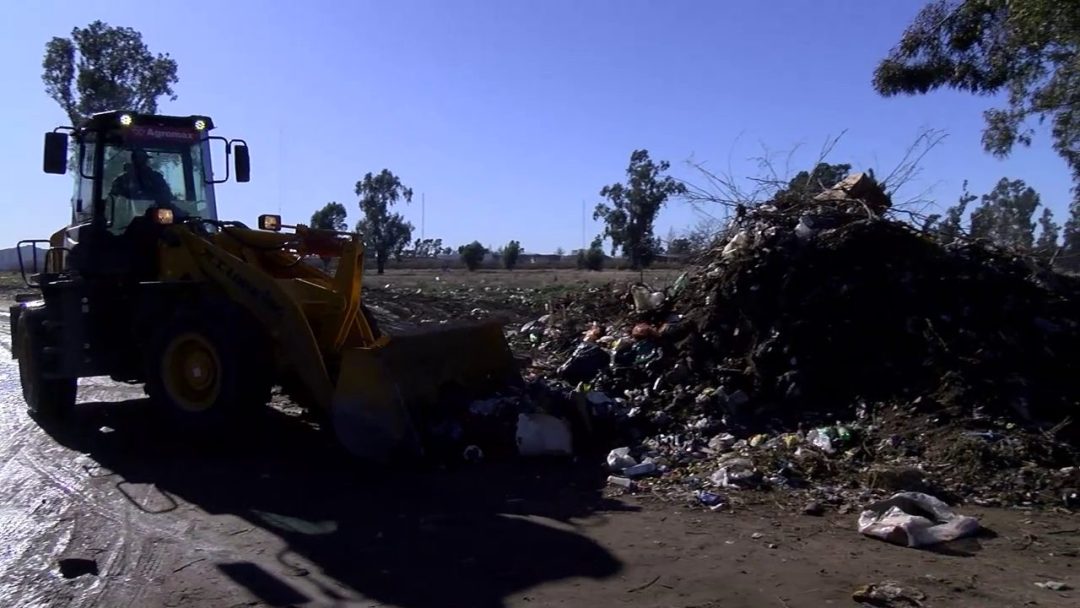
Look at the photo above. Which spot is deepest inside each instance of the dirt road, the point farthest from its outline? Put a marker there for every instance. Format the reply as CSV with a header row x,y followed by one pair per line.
x,y
270,517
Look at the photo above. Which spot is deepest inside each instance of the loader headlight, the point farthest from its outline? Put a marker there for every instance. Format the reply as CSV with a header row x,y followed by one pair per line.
x,y
270,222
162,216
200,125
125,119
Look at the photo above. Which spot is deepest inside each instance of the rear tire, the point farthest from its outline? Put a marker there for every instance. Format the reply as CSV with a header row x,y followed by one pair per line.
x,y
206,372
47,399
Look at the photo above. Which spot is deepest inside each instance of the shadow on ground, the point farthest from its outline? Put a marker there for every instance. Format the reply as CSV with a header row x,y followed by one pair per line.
x,y
418,539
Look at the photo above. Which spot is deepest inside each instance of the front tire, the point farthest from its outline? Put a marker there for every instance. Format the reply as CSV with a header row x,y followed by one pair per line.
x,y
204,372
47,399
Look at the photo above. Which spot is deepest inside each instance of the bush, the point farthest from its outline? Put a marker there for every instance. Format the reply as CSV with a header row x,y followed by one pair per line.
x,y
592,258
472,254
510,254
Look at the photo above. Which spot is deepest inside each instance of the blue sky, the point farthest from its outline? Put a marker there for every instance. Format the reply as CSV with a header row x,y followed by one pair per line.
x,y
508,114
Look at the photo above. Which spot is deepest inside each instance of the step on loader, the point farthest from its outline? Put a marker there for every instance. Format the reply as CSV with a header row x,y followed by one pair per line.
x,y
147,285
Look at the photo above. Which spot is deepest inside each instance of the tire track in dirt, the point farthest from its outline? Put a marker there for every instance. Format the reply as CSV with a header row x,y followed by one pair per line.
x,y
52,507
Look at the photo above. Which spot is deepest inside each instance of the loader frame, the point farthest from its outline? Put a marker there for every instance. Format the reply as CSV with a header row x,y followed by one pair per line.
x,y
210,314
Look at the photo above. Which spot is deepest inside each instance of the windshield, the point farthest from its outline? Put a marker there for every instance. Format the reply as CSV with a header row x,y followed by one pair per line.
x,y
151,167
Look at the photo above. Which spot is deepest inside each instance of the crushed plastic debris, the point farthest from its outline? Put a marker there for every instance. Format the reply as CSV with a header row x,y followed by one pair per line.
x,y
888,594
1053,585
914,519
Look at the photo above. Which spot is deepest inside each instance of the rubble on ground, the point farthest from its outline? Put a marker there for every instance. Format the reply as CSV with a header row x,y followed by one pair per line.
x,y
827,350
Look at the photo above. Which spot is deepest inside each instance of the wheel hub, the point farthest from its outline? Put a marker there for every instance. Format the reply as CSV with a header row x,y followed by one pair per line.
x,y
192,372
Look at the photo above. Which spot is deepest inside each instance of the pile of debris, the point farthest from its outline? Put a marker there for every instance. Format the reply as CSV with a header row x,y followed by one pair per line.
x,y
825,343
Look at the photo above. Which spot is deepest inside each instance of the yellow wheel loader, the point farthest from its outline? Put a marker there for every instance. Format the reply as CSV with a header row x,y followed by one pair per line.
x,y
147,285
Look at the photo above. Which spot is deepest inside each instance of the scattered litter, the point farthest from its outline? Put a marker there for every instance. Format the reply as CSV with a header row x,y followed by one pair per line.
x,y
1054,586
710,499
543,435
888,594
640,470
914,519
735,473
620,459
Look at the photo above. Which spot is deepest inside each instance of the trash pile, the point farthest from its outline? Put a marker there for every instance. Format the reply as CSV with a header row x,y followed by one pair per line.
x,y
826,347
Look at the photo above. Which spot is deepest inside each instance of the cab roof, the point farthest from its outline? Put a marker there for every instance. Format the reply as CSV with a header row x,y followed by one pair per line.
x,y
112,118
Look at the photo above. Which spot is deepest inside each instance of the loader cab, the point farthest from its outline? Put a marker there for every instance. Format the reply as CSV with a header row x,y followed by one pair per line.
x,y
127,165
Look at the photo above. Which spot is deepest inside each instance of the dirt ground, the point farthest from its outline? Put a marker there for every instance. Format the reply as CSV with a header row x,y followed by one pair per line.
x,y
270,515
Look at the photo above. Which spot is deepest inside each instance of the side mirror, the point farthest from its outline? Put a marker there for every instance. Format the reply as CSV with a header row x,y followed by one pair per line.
x,y
56,152
243,163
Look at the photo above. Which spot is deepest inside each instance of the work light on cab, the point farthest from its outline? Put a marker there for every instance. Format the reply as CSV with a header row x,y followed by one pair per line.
x,y
162,216
270,222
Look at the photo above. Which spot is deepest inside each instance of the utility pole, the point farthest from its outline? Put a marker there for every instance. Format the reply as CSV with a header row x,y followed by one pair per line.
x,y
281,163
423,214
582,224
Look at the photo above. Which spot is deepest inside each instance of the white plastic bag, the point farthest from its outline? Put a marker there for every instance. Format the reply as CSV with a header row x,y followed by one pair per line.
x,y
620,459
543,435
914,519
646,300
737,243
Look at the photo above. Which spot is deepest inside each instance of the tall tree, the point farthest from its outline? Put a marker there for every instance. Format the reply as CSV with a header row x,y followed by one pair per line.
x,y
1047,245
384,232
427,248
101,67
633,207
1005,215
511,253
473,254
1028,49
331,217
679,246
1070,240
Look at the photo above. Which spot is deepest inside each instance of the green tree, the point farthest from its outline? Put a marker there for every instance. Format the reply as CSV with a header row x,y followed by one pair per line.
x,y
472,254
1049,232
951,228
427,248
559,251
679,246
1005,215
385,233
633,207
331,217
1027,49
806,184
593,257
511,253
101,68
1070,239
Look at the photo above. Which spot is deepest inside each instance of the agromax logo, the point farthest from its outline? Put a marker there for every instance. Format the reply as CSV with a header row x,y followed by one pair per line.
x,y
163,134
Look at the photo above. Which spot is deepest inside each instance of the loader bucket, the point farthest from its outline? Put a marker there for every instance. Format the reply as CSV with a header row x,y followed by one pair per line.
x,y
383,393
